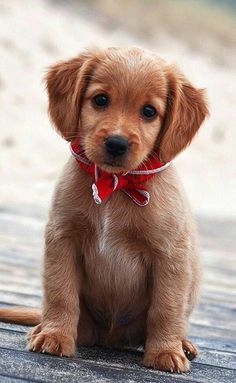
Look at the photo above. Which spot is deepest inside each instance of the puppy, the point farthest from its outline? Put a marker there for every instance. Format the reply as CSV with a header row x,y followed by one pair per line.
x,y
120,266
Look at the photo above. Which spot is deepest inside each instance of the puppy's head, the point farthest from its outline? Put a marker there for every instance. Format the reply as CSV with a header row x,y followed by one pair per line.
x,y
124,104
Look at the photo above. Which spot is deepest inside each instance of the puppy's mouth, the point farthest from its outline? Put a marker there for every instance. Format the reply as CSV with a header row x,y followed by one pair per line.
x,y
118,164
113,166
110,164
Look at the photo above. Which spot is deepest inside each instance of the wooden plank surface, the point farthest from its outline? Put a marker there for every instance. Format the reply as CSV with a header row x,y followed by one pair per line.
x,y
212,326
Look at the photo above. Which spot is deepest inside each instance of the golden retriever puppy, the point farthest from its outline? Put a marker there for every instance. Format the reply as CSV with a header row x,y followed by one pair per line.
x,y
120,266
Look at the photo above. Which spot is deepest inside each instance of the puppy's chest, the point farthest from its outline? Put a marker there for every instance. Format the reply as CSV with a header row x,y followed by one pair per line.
x,y
115,259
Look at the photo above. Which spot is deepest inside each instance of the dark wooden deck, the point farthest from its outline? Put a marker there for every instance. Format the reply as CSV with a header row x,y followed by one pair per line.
x,y
213,325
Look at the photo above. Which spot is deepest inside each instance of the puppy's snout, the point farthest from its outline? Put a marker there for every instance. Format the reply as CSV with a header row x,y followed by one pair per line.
x,y
116,145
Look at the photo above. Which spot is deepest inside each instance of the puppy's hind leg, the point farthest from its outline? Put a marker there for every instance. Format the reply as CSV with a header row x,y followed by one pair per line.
x,y
189,349
87,333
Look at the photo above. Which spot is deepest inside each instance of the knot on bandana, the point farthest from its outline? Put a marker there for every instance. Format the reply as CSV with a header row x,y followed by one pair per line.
x,y
131,182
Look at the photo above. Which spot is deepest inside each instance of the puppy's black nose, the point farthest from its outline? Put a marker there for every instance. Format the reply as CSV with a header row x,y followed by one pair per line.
x,y
116,145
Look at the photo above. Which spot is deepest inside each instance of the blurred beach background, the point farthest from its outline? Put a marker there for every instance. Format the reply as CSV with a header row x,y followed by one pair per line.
x,y
200,36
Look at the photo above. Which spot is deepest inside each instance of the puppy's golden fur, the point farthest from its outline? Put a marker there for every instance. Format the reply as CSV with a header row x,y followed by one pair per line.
x,y
118,260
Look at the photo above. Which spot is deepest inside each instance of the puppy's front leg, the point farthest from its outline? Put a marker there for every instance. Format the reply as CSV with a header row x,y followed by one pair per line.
x,y
57,332
166,320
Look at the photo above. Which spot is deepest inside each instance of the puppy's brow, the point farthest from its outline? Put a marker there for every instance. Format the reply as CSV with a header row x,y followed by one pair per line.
x,y
96,86
159,104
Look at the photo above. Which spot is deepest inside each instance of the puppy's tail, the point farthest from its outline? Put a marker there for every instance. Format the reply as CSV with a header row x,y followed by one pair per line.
x,y
20,315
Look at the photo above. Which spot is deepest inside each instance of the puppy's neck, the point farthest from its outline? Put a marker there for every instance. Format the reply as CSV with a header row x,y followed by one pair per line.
x,y
132,183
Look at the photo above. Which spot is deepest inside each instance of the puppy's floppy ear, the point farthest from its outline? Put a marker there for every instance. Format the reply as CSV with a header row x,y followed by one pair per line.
x,y
66,83
186,110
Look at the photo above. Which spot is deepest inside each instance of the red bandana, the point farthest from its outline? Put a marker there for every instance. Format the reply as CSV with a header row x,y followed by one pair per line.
x,y
130,182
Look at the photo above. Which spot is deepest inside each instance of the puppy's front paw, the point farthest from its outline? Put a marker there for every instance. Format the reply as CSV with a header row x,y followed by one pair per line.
x,y
51,341
167,360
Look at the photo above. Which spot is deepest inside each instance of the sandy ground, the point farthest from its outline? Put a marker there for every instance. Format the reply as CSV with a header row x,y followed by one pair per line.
x,y
34,34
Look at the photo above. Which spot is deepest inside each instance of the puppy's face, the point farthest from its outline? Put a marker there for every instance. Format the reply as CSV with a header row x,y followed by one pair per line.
x,y
122,111
124,104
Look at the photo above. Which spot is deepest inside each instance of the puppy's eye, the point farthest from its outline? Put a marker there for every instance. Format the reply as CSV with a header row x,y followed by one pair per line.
x,y
100,100
148,111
